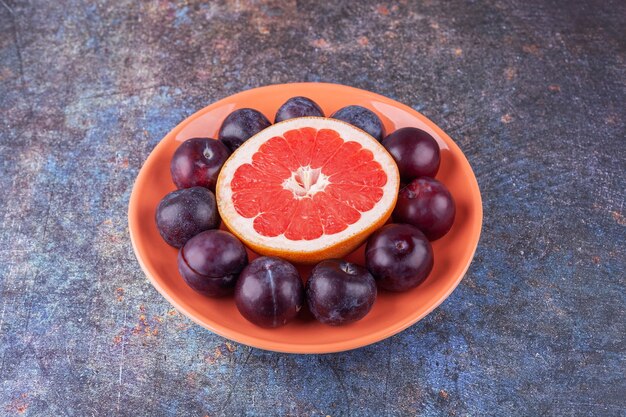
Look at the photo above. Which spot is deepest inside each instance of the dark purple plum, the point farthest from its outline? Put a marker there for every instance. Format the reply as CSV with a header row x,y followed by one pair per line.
x,y
362,118
298,107
211,261
428,205
182,214
399,257
416,153
269,292
340,292
197,162
240,125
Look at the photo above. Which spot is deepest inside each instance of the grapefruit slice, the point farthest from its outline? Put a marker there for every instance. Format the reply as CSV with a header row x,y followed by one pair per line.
x,y
307,189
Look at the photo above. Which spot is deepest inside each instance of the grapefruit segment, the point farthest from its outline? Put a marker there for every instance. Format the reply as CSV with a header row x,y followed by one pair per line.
x,y
251,202
369,174
265,163
249,176
361,198
327,142
275,223
279,146
305,223
362,157
335,215
302,142
342,158
307,189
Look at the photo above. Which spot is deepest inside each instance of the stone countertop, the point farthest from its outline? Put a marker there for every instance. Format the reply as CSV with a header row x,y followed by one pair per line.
x,y
534,94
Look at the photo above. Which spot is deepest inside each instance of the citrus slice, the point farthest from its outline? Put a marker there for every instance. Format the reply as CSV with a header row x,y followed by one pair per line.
x,y
307,189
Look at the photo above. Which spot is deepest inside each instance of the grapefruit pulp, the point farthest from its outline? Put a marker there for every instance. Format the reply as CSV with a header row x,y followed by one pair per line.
x,y
307,189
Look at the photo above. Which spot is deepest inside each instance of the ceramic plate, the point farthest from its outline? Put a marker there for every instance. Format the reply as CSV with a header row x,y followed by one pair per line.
x,y
392,312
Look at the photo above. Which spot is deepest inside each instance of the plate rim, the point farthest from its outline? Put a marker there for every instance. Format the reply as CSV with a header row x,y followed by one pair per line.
x,y
282,347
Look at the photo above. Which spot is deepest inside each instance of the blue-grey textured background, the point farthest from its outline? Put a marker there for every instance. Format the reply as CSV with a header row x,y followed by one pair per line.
x,y
533,92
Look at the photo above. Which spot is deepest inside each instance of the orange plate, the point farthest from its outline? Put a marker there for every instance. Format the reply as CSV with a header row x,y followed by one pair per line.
x,y
392,312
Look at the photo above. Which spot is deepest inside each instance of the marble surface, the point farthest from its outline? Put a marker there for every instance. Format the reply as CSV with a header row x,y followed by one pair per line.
x,y
533,92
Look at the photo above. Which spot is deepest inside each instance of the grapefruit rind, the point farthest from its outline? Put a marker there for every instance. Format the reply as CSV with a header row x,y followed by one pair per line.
x,y
326,246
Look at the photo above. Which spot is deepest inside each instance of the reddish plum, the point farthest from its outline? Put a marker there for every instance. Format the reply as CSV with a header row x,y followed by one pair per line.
x,y
428,205
269,292
416,153
340,292
399,257
298,107
197,162
240,125
362,118
211,261
184,213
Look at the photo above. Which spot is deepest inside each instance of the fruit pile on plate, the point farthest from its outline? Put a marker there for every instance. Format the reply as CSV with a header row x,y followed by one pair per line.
x,y
305,190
